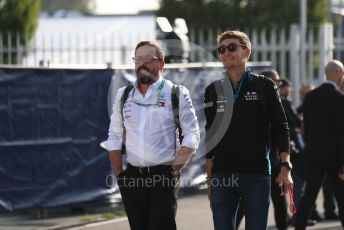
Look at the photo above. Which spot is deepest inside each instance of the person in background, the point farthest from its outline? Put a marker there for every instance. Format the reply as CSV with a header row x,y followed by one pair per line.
x,y
329,202
323,119
297,146
242,154
306,88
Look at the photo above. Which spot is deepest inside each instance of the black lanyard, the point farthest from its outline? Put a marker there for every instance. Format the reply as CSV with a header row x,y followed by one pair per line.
x,y
236,90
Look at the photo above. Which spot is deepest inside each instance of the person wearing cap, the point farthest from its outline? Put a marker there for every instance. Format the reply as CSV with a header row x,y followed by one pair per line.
x,y
296,148
242,154
323,120
297,145
294,121
285,88
154,156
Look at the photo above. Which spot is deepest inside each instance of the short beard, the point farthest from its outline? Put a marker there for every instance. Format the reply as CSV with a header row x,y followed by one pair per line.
x,y
144,76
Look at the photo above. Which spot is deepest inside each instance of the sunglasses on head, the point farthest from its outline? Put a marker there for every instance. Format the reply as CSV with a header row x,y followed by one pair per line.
x,y
232,47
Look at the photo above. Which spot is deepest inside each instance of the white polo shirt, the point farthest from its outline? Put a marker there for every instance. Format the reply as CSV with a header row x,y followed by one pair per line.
x,y
149,124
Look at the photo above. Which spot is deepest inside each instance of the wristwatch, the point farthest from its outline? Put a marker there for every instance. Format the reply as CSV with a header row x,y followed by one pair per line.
x,y
175,172
287,164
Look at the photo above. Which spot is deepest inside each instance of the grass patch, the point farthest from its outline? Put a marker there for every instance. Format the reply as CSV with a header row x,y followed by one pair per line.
x,y
90,219
101,217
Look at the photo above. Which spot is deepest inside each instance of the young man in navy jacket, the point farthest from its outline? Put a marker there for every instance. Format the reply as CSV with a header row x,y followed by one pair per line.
x,y
238,167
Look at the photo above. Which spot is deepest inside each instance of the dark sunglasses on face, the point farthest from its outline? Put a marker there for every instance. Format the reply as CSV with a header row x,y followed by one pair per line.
x,y
232,47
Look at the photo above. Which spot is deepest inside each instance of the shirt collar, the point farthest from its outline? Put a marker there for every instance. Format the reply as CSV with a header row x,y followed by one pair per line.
x,y
156,84
331,83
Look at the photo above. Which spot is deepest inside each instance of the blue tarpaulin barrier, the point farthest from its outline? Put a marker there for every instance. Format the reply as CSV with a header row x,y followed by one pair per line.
x,y
51,123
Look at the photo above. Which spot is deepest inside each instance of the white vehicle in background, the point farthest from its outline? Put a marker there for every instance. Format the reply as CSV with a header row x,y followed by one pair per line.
x,y
174,40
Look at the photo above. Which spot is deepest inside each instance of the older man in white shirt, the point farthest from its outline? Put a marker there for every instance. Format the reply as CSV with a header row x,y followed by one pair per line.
x,y
153,151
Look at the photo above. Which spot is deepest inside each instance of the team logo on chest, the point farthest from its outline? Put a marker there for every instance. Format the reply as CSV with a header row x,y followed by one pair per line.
x,y
251,96
162,100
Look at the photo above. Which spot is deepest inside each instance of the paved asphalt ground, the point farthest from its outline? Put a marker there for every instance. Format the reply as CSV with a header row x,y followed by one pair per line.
x,y
193,213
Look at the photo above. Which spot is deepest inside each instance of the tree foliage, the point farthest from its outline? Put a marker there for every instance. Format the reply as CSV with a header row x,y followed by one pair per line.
x,y
17,16
83,6
18,23
241,14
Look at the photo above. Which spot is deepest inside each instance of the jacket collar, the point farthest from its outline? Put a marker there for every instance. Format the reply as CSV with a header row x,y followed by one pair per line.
x,y
331,83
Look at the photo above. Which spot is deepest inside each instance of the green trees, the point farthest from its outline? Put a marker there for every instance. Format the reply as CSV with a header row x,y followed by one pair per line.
x,y
17,16
19,19
83,6
18,23
241,14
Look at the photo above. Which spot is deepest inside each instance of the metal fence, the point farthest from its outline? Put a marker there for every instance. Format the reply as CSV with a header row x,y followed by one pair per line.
x,y
71,48
281,47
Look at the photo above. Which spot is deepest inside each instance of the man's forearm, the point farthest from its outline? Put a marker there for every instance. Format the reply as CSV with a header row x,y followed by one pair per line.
x,y
116,161
284,178
183,157
284,157
209,166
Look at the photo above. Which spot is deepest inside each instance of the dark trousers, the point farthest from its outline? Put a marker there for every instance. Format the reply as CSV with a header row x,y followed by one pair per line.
x,y
279,202
150,198
329,203
314,178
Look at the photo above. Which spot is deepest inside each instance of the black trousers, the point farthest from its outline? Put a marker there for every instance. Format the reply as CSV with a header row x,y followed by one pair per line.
x,y
279,202
315,174
149,197
329,202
